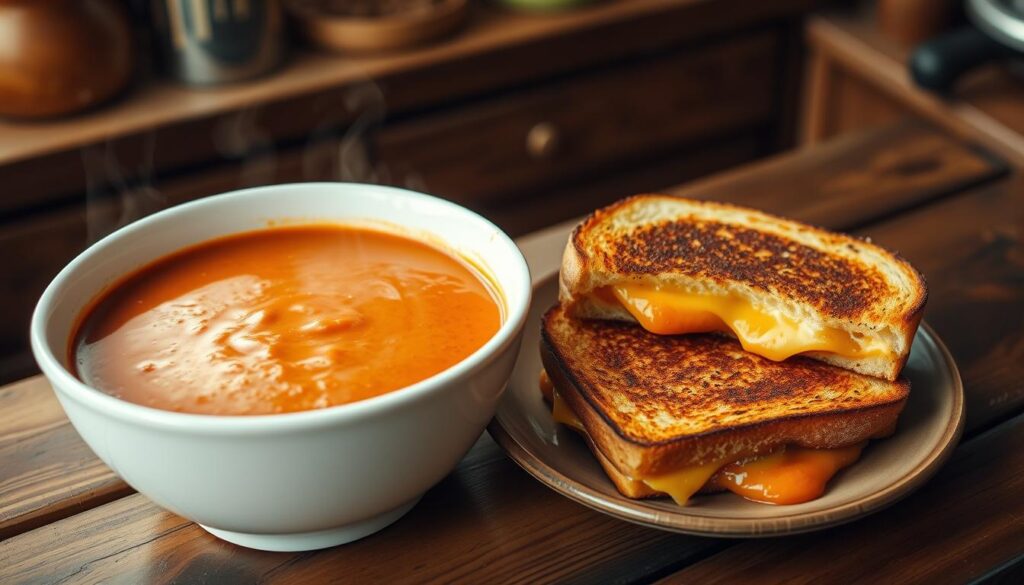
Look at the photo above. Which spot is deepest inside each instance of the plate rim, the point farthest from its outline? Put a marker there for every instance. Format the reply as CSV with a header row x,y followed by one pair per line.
x,y
679,521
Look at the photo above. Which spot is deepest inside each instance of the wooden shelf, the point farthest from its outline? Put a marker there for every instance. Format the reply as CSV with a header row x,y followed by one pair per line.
x,y
160,129
643,93
163,102
987,105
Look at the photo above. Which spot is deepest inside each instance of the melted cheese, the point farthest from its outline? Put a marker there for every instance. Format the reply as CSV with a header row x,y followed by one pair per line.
x,y
562,413
547,389
788,476
766,333
681,484
791,476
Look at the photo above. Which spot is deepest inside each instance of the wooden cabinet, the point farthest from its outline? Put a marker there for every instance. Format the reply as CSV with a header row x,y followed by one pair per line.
x,y
858,78
566,129
527,119
840,102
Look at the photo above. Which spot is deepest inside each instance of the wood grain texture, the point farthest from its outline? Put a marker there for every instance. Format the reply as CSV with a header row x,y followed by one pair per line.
x,y
50,476
839,102
858,106
984,107
480,153
519,215
486,518
841,186
963,524
815,98
28,408
489,518
971,252
311,96
48,472
855,179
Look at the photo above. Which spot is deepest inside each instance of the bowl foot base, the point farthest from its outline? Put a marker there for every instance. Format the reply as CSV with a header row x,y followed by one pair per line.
x,y
313,540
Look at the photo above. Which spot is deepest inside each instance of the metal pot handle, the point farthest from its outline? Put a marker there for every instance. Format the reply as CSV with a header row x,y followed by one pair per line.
x,y
936,64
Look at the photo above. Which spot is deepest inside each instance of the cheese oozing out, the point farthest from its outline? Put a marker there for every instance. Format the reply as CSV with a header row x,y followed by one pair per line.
x,y
791,475
767,333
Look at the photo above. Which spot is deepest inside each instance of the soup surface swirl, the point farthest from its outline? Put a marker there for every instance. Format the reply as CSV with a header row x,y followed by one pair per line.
x,y
284,319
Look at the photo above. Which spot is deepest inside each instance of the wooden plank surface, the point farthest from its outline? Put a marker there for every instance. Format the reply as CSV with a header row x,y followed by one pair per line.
x,y
487,518
489,515
966,521
50,475
46,471
855,179
971,250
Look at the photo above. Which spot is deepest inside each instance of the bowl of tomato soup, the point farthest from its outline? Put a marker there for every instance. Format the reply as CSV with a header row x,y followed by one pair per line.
x,y
293,366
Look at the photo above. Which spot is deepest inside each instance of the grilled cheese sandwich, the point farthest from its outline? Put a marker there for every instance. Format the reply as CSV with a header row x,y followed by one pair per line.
x,y
767,333
678,415
787,476
782,288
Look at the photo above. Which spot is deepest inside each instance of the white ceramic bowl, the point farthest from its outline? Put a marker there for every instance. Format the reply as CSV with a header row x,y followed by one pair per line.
x,y
303,480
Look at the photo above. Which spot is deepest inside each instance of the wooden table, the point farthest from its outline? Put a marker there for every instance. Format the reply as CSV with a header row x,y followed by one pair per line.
x,y
956,212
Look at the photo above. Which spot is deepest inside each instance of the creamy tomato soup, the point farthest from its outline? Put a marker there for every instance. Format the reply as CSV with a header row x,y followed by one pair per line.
x,y
284,319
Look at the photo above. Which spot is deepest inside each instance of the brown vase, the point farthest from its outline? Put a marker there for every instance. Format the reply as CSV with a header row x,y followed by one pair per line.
x,y
61,56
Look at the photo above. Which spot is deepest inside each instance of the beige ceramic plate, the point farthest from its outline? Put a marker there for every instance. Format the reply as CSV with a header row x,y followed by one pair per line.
x,y
889,469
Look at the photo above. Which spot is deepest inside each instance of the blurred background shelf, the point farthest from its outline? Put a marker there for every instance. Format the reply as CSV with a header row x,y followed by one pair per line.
x,y
857,78
498,50
527,118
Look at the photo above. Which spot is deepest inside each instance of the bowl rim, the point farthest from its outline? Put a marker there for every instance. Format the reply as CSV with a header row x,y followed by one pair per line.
x,y
65,384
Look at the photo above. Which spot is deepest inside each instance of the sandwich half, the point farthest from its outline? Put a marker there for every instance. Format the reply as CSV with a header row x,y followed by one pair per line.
x,y
781,287
681,414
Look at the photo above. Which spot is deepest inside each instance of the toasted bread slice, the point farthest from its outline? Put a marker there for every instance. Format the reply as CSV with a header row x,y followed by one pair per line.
x,y
653,404
628,486
816,281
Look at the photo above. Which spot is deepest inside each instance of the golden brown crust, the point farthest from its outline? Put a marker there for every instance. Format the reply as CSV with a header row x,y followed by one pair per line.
x,y
627,486
633,488
849,282
654,403
723,251
887,368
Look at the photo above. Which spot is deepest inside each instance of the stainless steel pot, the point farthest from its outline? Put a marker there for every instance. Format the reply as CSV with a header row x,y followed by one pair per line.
x,y
219,41
997,34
